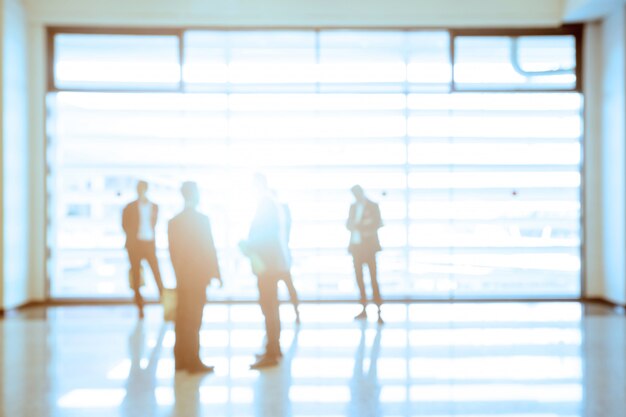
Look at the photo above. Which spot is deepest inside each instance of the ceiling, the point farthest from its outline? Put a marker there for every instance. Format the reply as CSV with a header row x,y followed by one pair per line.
x,y
307,13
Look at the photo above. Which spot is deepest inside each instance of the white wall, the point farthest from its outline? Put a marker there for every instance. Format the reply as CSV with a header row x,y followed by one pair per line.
x,y
15,152
2,14
592,207
37,112
589,10
605,152
614,154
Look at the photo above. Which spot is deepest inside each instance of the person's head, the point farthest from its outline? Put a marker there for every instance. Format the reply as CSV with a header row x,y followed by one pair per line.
x,y
142,188
358,193
190,193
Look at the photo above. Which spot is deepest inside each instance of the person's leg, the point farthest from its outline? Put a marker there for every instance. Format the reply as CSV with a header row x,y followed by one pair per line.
x,y
272,316
358,272
135,278
371,266
195,324
181,330
268,299
150,255
293,295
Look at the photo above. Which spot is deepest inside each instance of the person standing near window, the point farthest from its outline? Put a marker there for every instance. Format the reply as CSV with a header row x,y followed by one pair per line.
x,y
265,248
194,259
363,222
139,219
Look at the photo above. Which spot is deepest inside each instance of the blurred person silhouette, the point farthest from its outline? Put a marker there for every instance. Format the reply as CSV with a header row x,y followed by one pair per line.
x,y
363,222
285,233
265,249
194,259
139,219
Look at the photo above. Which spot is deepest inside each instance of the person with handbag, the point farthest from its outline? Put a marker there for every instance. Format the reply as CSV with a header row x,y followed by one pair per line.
x,y
139,220
266,251
194,259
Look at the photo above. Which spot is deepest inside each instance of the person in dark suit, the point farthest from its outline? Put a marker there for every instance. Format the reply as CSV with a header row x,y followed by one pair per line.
x,y
194,259
139,219
264,247
363,222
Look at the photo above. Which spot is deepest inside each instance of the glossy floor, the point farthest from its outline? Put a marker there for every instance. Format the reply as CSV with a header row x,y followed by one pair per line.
x,y
464,359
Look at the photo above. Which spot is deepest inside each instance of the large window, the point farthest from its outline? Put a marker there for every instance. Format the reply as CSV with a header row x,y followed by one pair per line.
x,y
470,143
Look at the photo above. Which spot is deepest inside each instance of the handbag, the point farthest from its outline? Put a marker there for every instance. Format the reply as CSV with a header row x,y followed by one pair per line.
x,y
169,300
142,277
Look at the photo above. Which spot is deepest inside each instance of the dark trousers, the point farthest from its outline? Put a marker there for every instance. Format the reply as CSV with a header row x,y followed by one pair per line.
x,y
138,251
369,260
268,299
189,307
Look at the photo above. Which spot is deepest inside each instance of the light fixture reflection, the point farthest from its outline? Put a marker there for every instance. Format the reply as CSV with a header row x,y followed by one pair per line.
x,y
164,396
214,395
496,312
561,393
92,398
319,394
496,337
308,367
120,371
538,368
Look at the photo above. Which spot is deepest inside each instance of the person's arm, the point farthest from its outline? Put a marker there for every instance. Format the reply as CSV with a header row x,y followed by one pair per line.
x,y
287,214
372,221
350,224
214,269
173,245
155,214
378,221
125,220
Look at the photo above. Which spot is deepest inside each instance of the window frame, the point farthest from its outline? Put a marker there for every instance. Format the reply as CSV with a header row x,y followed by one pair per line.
x,y
572,30
568,30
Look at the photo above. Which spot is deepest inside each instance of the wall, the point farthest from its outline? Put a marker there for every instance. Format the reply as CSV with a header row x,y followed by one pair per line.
x,y
2,14
589,10
592,208
605,152
614,154
14,162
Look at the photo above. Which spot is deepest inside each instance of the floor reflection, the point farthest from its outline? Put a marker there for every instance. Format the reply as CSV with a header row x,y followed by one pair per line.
x,y
497,360
187,396
141,382
271,391
364,386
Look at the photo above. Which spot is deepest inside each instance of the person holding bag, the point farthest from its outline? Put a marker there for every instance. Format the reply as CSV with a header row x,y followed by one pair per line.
x,y
265,249
139,220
